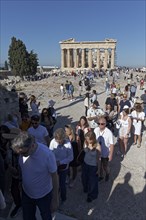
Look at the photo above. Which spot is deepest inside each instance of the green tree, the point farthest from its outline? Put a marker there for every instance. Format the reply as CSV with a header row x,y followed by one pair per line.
x,y
6,65
33,62
21,62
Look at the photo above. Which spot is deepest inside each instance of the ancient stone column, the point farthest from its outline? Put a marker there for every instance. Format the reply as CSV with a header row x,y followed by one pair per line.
x,y
75,58
83,58
62,58
68,58
71,57
112,58
98,59
90,58
105,58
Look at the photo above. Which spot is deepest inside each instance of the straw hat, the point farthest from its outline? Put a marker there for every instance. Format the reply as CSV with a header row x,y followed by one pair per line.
x,y
138,101
14,132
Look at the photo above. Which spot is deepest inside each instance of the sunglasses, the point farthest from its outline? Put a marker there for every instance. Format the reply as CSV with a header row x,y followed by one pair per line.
x,y
101,123
45,112
34,123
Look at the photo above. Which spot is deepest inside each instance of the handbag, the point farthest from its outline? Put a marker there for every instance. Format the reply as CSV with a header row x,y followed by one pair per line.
x,y
118,125
81,156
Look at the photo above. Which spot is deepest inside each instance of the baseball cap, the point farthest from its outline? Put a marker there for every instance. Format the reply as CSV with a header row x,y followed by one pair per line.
x,y
125,107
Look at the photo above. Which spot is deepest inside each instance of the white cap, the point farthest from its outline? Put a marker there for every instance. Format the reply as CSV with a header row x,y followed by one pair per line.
x,y
125,107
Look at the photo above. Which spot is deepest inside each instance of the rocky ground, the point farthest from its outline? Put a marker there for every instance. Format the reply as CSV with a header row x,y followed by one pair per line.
x,y
123,197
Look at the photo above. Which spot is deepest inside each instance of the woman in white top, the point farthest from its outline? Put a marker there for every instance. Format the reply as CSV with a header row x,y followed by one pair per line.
x,y
62,90
87,102
125,128
138,117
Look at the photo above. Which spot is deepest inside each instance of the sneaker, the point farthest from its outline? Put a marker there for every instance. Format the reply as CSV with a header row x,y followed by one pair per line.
x,y
122,156
15,211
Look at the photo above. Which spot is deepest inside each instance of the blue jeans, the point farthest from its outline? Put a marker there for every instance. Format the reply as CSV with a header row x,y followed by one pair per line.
x,y
29,207
90,180
62,183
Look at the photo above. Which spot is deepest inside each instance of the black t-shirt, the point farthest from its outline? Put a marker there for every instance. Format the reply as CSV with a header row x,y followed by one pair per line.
x,y
67,86
123,103
112,102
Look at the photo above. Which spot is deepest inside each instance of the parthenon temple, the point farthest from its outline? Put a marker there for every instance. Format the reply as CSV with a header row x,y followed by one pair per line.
x,y
88,54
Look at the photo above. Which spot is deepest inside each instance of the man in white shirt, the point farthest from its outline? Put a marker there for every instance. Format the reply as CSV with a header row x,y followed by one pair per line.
x,y
93,113
38,131
105,138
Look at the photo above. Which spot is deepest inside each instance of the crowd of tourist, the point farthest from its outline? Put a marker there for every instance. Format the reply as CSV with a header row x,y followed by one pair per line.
x,y
40,161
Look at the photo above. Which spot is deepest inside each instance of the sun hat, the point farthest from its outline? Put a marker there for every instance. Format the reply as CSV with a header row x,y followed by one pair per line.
x,y
125,107
14,132
51,103
138,101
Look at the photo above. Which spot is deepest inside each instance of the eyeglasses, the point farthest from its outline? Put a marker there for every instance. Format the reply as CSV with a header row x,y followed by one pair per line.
x,y
101,123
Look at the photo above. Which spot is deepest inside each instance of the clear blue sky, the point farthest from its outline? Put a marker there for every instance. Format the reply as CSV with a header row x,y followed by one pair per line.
x,y
42,24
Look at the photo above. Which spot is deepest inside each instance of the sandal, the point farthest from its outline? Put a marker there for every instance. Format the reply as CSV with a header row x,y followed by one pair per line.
x,y
138,146
134,143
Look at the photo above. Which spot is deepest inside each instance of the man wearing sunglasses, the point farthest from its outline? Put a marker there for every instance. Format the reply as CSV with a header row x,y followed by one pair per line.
x,y
38,131
93,113
105,138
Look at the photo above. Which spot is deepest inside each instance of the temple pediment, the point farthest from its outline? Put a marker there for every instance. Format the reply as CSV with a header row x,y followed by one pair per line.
x,y
68,40
111,40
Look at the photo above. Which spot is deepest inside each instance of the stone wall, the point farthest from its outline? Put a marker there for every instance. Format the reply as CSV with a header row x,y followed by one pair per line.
x,y
8,103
